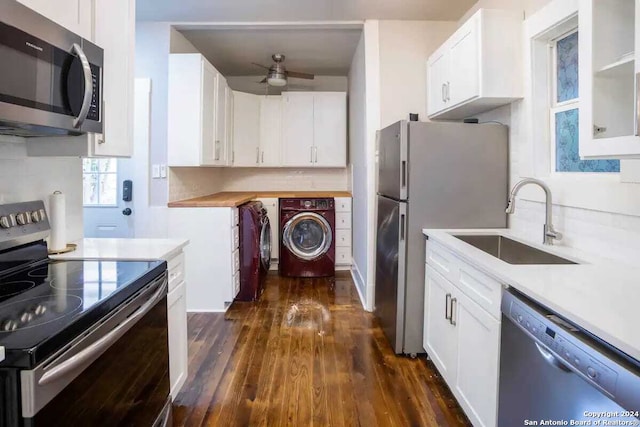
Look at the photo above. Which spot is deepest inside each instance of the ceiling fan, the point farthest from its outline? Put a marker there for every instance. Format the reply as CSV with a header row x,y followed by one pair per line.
x,y
278,74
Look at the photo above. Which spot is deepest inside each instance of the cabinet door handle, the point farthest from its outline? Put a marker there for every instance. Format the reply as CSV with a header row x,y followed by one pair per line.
x,y
257,154
454,303
444,96
315,157
447,301
233,156
311,152
216,150
262,156
448,92
637,106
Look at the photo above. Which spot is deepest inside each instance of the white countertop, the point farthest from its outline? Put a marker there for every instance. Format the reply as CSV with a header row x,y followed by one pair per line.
x,y
599,295
125,249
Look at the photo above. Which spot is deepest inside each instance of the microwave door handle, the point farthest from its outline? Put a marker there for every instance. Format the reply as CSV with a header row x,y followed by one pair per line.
x,y
88,85
98,347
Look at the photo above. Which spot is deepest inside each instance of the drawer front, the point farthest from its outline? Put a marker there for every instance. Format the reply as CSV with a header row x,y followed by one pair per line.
x,y
236,261
236,284
343,204
343,238
343,255
343,220
175,267
481,288
443,261
235,216
235,236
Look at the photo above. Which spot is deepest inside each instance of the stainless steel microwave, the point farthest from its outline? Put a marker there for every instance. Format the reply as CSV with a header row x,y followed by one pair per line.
x,y
50,78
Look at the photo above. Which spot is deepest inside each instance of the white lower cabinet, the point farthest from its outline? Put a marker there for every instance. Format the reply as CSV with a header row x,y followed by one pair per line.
x,y
342,234
463,340
212,253
178,341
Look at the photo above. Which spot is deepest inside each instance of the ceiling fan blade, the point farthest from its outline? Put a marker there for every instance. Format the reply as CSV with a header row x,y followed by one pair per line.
x,y
298,75
260,65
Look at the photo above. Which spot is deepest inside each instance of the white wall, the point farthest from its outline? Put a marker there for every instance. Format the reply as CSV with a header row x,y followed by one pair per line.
x,y
404,49
250,84
152,61
25,178
529,7
358,160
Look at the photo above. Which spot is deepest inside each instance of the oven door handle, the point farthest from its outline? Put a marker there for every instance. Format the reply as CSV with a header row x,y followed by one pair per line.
x,y
98,347
88,85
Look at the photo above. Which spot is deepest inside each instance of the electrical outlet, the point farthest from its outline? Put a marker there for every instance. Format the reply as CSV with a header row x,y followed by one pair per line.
x,y
155,171
163,171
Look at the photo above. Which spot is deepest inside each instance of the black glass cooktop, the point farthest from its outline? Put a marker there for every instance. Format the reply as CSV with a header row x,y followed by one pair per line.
x,y
45,306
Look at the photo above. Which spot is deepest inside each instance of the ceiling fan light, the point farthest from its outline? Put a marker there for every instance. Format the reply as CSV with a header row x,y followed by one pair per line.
x,y
276,78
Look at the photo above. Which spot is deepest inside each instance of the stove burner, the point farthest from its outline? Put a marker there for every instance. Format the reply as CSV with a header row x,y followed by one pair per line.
x,y
38,311
8,289
39,272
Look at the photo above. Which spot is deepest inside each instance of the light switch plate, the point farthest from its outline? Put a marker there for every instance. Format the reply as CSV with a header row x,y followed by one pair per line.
x,y
163,171
155,171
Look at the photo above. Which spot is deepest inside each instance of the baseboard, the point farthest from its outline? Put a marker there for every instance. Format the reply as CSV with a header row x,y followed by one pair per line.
x,y
221,310
357,279
343,267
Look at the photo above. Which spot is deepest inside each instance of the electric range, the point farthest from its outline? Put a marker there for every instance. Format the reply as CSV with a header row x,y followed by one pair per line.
x,y
77,331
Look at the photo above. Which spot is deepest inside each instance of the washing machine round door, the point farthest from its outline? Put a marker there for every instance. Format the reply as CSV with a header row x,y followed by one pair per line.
x,y
307,235
265,243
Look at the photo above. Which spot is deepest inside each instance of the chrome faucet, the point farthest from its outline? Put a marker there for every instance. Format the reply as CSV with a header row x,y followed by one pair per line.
x,y
550,234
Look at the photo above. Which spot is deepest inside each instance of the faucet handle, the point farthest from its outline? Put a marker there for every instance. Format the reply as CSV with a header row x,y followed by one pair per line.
x,y
556,235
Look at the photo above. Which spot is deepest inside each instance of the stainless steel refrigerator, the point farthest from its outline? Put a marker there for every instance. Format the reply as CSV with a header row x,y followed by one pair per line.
x,y
430,175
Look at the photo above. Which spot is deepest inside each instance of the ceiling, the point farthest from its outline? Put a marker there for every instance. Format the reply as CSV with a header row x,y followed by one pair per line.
x,y
318,51
299,10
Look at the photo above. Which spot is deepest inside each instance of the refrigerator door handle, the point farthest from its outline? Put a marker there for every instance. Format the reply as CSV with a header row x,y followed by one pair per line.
x,y
403,165
402,221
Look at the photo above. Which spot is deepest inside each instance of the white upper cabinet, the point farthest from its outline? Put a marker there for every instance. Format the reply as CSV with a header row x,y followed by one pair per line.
x,y
197,106
246,129
221,156
228,128
297,129
314,129
257,130
115,32
74,15
609,58
478,68
112,27
330,129
270,130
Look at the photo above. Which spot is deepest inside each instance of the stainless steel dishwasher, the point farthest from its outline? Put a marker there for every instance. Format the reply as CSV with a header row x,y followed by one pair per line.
x,y
553,370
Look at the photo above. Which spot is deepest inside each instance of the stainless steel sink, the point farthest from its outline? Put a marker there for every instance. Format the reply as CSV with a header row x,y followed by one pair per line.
x,y
511,251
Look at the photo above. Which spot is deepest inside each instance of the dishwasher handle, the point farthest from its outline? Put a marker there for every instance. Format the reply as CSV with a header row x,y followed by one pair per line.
x,y
551,359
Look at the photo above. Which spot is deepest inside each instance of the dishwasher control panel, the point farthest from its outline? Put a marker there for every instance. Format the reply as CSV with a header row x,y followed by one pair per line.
x,y
546,330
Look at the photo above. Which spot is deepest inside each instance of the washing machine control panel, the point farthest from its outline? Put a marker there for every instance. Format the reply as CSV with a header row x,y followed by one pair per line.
x,y
307,204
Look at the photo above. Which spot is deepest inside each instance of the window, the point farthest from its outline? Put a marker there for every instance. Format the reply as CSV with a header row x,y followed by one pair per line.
x,y
100,182
565,104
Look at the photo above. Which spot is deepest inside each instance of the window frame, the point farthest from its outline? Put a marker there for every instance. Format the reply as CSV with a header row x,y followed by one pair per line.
x,y
559,107
117,190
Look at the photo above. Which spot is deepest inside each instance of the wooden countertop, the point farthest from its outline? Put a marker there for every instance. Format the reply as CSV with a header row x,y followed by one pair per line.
x,y
231,199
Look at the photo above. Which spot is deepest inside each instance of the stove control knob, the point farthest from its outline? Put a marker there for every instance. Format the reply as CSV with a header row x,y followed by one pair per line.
x,y
592,372
21,218
35,217
4,222
9,325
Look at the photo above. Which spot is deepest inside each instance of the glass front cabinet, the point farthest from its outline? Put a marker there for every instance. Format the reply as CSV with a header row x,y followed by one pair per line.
x,y
609,63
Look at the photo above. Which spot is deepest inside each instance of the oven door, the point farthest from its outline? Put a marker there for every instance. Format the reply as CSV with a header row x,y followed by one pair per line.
x,y
51,83
116,374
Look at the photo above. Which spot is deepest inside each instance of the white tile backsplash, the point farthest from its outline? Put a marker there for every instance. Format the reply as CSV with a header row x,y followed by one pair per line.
x,y
187,183
285,179
25,178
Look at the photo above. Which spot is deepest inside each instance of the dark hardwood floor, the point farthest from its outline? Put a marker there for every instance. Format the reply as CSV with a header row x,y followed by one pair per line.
x,y
306,354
